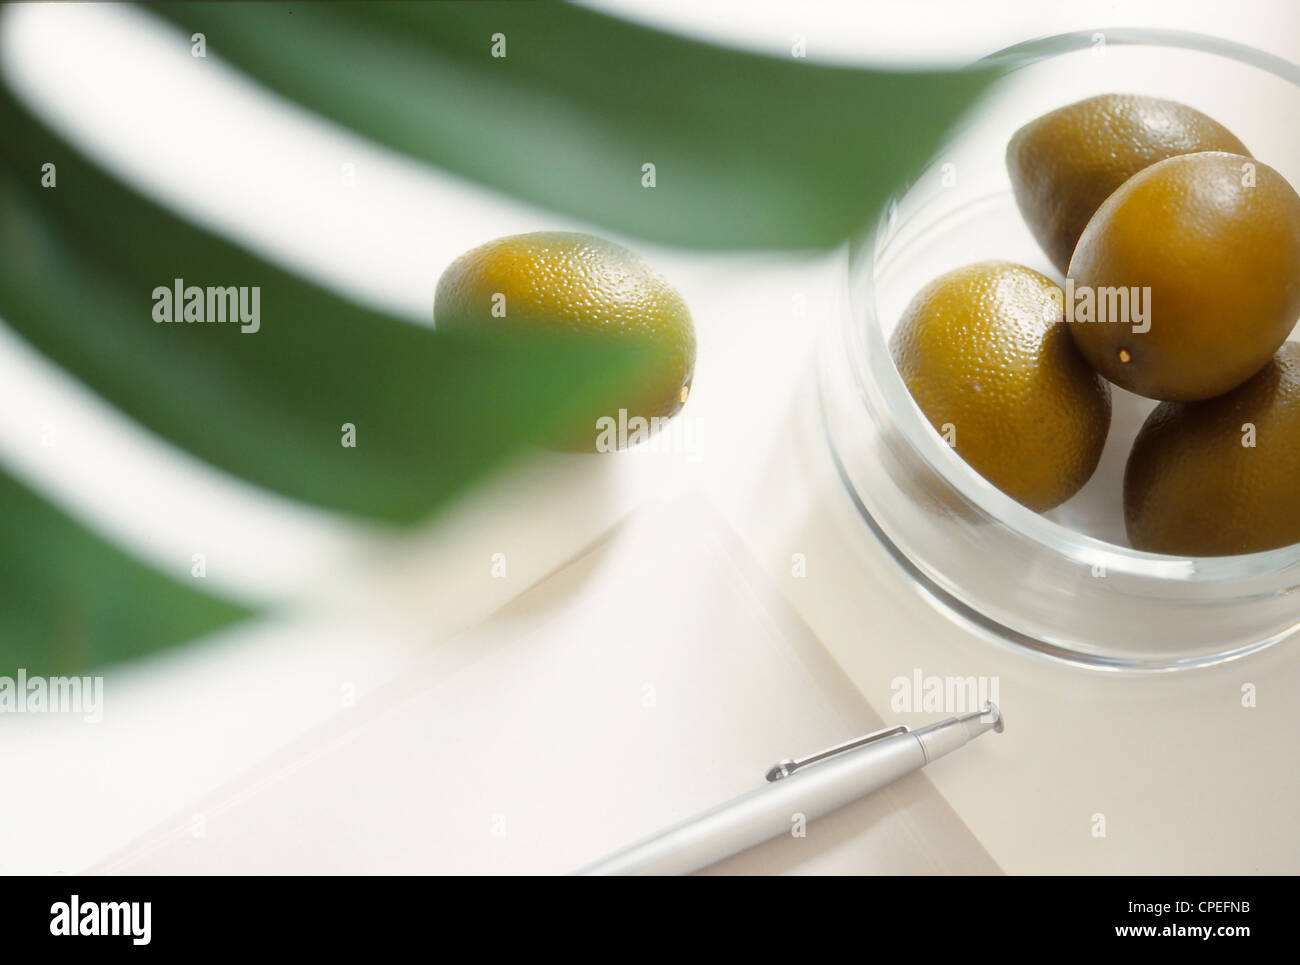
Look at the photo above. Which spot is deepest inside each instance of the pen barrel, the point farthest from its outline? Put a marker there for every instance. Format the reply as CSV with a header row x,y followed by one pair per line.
x,y
768,812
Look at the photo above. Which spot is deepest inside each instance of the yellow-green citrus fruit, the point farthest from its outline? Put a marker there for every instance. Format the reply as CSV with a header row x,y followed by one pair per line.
x,y
1064,164
1210,245
579,284
1218,477
986,354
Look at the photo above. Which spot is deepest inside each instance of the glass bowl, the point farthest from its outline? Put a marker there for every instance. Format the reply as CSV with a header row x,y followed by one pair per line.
x,y
1064,583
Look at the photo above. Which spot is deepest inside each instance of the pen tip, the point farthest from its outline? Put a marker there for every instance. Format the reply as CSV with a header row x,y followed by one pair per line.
x,y
991,708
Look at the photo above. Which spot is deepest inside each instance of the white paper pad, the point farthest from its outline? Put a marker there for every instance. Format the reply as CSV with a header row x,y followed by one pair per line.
x,y
653,677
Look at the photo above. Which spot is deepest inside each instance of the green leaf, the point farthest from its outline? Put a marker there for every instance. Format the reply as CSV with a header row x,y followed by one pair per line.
x,y
70,602
79,263
749,151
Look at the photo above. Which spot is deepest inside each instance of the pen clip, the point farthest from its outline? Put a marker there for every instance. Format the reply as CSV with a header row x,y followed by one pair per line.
x,y
788,767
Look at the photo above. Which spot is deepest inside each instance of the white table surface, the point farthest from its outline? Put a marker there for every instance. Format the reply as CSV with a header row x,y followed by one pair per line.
x,y
1187,778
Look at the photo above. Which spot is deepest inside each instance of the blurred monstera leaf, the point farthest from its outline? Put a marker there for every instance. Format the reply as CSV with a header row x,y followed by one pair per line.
x,y
648,134
71,602
565,106
428,412
79,264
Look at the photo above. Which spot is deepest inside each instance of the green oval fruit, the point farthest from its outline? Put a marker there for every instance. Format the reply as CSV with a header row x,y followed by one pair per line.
x,y
1218,477
573,283
987,357
1064,164
1211,244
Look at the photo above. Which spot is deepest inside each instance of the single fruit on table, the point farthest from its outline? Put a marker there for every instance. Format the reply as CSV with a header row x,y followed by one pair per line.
x,y
1218,477
985,352
568,282
1208,247
1066,163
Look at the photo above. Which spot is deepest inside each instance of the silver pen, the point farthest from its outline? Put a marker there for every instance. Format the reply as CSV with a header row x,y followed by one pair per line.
x,y
842,774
